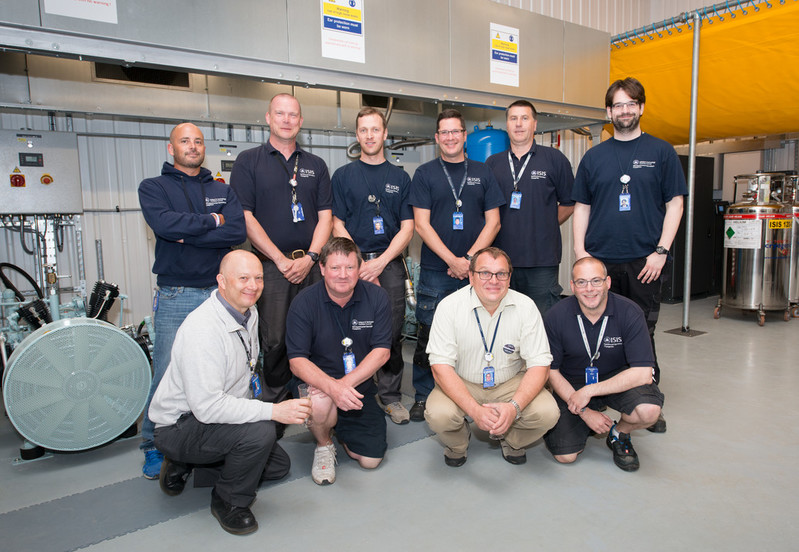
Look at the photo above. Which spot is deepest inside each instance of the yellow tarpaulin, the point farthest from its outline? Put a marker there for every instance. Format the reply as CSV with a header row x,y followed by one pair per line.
x,y
748,74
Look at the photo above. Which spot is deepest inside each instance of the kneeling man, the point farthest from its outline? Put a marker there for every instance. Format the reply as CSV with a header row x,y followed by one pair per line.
x,y
490,360
206,409
602,356
338,334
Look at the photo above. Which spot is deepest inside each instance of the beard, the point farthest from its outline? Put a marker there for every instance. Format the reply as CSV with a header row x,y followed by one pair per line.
x,y
626,125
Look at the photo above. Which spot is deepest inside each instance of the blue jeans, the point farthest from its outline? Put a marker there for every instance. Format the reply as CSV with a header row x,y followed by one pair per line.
x,y
172,306
433,286
539,283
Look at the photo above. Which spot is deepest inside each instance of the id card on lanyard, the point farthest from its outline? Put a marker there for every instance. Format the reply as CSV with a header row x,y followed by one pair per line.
x,y
516,195
489,379
592,372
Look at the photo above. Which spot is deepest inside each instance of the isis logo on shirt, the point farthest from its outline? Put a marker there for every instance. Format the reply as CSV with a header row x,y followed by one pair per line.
x,y
508,348
307,173
392,189
473,181
213,201
638,164
358,325
538,175
611,342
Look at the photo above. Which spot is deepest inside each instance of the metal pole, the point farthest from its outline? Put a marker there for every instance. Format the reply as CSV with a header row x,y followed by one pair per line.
x,y
689,216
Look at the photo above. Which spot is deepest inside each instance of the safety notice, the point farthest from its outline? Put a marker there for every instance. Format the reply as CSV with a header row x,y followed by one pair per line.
x,y
504,52
743,234
343,30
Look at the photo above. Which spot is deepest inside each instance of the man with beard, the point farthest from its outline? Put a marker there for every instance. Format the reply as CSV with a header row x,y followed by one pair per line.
x,y
196,220
601,356
628,196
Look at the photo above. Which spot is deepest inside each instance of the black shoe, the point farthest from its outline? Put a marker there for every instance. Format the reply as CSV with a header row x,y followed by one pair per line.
x,y
624,454
233,519
511,455
454,462
659,426
417,412
173,477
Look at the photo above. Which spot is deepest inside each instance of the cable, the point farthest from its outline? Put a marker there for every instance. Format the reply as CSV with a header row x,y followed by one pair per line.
x,y
12,287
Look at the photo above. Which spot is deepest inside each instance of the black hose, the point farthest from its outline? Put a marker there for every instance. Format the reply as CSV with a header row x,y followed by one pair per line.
x,y
12,287
22,237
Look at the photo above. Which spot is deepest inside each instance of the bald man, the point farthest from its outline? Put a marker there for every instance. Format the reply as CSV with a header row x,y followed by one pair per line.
x,y
207,409
196,221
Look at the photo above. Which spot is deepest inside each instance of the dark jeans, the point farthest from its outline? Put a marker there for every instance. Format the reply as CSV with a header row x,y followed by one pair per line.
x,y
433,286
539,283
624,281
389,377
245,454
273,307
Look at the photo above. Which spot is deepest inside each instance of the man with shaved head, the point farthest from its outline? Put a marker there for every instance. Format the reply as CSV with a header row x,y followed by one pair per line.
x,y
208,411
601,357
196,221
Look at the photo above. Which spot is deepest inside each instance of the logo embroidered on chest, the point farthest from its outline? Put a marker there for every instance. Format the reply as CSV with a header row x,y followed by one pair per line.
x,y
638,164
307,173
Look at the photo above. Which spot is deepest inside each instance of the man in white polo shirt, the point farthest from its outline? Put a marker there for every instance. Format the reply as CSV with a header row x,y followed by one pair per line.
x,y
490,357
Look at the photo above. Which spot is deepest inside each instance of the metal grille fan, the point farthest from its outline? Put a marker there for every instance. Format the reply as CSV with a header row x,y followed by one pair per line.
x,y
75,384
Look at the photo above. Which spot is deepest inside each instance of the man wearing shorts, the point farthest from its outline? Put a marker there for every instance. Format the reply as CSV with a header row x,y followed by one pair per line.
x,y
602,356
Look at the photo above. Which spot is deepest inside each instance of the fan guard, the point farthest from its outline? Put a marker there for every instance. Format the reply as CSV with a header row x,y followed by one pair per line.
x,y
75,384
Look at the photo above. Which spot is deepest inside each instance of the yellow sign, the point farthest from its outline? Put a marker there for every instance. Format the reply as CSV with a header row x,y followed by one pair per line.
x,y
779,224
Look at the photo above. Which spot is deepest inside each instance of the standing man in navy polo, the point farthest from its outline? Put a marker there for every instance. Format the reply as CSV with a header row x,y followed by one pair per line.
x,y
537,184
370,206
629,201
456,205
196,221
338,335
601,356
285,192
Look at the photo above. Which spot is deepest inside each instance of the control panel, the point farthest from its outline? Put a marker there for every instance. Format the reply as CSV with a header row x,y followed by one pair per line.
x,y
219,157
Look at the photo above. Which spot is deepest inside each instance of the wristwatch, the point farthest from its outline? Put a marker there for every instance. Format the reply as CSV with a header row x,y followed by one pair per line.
x,y
314,256
517,407
660,250
467,257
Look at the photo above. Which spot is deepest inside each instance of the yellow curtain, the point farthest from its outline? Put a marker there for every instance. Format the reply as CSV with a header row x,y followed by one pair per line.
x,y
748,74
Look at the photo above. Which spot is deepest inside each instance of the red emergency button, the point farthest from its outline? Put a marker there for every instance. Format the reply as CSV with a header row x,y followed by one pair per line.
x,y
17,180
222,180
47,179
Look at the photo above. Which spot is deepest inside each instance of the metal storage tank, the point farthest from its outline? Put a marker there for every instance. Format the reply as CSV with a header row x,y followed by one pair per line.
x,y
482,144
757,248
792,188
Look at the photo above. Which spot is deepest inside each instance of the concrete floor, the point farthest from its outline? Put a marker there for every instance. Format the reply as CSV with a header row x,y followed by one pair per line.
x,y
722,478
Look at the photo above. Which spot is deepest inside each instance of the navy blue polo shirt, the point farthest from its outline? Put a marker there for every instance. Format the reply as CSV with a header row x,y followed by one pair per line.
x,y
430,190
531,235
626,342
353,184
656,177
260,178
315,323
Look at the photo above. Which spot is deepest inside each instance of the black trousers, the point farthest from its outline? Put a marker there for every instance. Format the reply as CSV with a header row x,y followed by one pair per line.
x,y
237,456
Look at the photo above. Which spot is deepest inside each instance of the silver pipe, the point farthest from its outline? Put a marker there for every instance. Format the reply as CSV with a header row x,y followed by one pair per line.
x,y
689,216
98,247
79,250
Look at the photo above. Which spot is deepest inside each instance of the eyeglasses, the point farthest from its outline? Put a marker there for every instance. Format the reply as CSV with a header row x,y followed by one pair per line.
x,y
595,282
453,133
486,275
621,105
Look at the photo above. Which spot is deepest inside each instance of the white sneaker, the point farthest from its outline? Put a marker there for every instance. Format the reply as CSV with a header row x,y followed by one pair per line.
x,y
398,413
323,471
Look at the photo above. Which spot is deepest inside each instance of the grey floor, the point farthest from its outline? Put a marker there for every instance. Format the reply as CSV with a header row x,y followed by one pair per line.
x,y
723,477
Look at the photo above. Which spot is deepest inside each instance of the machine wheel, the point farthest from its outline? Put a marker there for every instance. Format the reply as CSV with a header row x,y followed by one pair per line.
x,y
717,313
761,319
787,315
795,312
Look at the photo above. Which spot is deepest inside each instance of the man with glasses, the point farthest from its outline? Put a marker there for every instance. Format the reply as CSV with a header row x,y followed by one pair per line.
x,y
287,201
537,184
370,206
490,358
602,357
629,200
456,213
338,334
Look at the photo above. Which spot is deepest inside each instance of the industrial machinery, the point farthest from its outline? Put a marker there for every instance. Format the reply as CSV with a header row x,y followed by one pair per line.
x,y
71,381
793,278
757,247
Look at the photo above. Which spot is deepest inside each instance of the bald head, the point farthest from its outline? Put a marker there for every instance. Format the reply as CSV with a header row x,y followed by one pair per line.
x,y
187,147
589,261
240,279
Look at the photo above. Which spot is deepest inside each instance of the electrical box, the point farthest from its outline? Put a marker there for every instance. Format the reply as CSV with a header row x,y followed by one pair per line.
x,y
219,157
39,173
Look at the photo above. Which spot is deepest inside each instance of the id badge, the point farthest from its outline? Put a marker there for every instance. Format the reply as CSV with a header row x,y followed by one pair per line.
x,y
516,200
377,224
255,385
457,221
349,362
591,375
488,377
297,214
624,202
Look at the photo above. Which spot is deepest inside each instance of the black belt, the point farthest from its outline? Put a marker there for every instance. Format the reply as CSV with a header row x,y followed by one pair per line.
x,y
373,255
296,254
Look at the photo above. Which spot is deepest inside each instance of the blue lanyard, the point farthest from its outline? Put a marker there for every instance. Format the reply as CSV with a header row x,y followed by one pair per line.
x,y
489,355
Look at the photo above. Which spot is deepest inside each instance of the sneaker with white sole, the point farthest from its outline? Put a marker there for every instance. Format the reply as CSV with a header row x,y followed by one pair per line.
x,y
152,463
323,471
398,413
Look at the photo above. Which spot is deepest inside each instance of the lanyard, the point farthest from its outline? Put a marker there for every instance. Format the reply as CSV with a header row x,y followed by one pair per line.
x,y
374,197
250,362
489,355
292,177
625,176
346,341
457,196
516,179
592,357
186,193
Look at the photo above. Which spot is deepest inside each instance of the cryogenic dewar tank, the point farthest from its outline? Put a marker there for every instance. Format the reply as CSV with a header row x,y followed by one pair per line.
x,y
757,250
